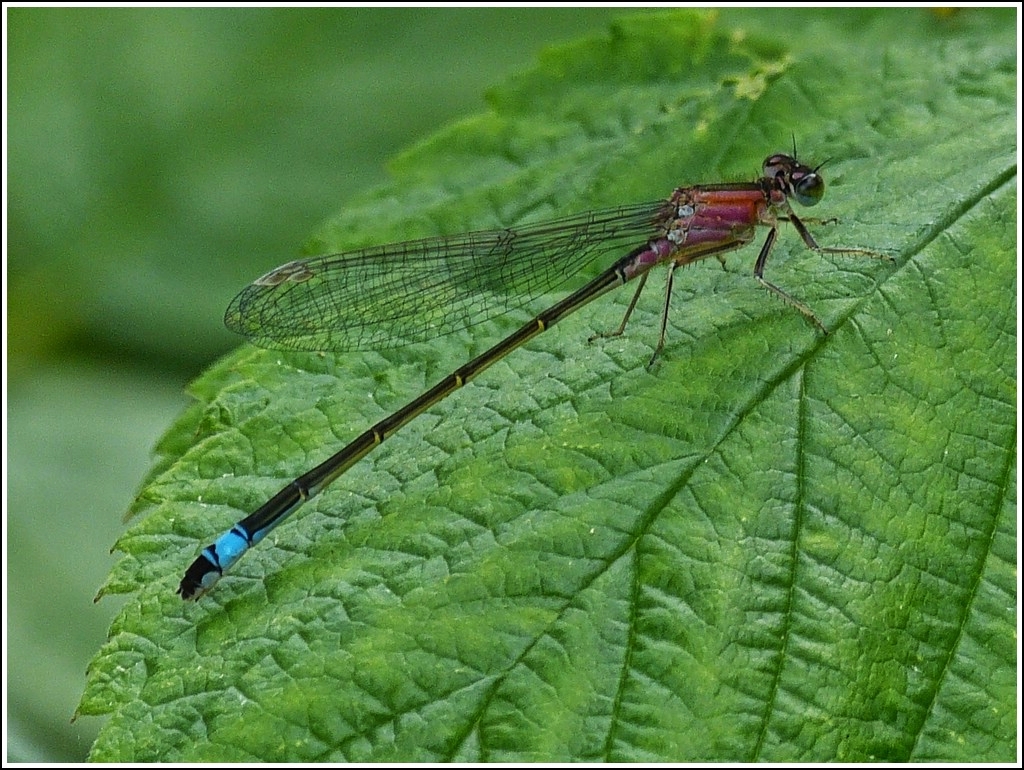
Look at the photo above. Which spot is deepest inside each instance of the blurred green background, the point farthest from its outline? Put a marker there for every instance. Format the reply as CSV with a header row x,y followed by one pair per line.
x,y
157,161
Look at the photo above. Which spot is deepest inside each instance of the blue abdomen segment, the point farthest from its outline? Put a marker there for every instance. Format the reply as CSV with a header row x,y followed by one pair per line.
x,y
218,558
215,559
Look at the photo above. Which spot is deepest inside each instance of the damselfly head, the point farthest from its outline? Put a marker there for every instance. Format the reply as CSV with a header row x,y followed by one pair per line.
x,y
795,179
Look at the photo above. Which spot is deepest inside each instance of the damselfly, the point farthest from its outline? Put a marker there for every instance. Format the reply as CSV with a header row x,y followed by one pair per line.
x,y
412,292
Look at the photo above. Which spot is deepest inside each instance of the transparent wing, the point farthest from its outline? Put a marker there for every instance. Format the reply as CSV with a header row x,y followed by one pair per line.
x,y
392,295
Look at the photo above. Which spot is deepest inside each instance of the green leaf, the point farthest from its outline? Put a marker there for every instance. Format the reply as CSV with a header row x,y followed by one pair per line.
x,y
774,546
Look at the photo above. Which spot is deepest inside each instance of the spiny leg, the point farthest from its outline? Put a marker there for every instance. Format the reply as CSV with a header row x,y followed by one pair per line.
x,y
632,306
766,249
664,313
812,244
625,318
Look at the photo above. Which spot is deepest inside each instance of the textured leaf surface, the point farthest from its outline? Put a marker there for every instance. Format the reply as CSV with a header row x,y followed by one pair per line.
x,y
774,546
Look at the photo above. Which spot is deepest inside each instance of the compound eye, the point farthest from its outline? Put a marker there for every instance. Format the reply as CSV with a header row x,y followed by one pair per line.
x,y
809,189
